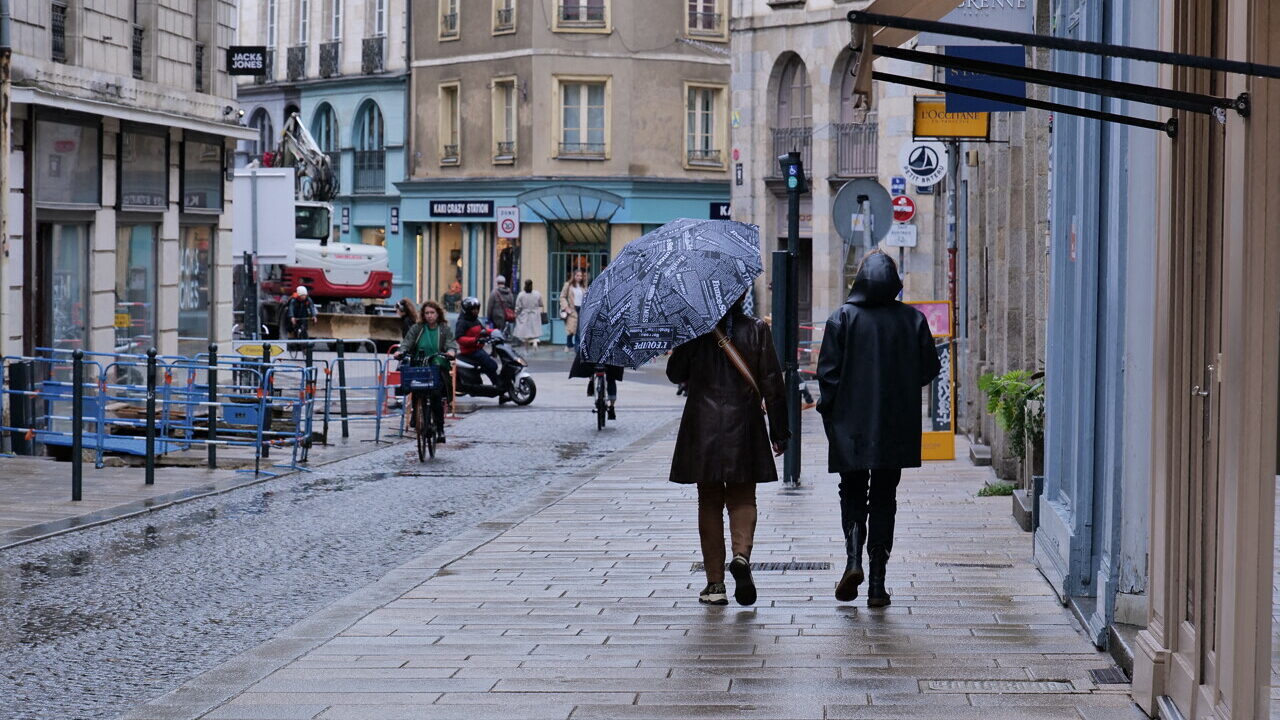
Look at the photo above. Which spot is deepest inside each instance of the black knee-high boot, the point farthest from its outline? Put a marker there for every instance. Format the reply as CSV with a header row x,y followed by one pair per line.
x,y
847,588
877,596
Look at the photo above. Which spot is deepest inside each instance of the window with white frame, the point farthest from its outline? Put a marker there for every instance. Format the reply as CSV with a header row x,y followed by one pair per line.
x,y
504,16
583,131
335,20
379,18
504,120
582,14
706,17
304,21
450,121
703,136
448,19
272,26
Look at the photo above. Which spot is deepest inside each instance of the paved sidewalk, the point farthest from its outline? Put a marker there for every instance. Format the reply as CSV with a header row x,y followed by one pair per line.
x,y
587,608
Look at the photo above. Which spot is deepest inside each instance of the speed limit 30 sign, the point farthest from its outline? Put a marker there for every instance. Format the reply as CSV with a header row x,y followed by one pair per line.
x,y
508,219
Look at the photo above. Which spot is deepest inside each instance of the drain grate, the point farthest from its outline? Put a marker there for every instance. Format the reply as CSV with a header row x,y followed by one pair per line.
x,y
778,566
991,566
1109,676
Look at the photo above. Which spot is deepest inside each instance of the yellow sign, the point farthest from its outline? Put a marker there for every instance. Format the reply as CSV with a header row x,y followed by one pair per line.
x,y
255,349
123,320
933,121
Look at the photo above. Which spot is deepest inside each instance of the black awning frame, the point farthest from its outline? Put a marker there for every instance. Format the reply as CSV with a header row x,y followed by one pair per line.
x,y
1175,99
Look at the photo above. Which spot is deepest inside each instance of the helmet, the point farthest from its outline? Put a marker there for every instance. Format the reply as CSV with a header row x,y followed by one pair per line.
x,y
470,303
302,290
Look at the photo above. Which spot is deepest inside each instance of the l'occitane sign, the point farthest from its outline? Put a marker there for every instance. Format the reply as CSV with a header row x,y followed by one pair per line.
x,y
933,121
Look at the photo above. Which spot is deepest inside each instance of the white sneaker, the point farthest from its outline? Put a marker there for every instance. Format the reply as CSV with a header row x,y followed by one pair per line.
x,y
714,594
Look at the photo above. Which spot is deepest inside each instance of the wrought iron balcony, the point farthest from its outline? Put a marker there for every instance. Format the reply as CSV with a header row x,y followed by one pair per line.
x,y
268,69
449,154
370,171
199,67
581,15
581,150
504,19
856,149
703,156
373,55
706,23
449,25
297,62
138,35
58,32
329,53
788,139
506,150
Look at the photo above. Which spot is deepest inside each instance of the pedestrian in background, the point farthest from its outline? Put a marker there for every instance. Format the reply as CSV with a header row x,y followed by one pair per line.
x,y
502,305
407,311
876,354
724,443
529,311
571,296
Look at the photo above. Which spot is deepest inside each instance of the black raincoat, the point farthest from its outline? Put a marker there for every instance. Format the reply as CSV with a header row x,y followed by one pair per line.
x,y
876,355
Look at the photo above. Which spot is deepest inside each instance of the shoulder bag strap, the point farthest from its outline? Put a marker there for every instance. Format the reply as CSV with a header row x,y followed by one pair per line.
x,y
736,359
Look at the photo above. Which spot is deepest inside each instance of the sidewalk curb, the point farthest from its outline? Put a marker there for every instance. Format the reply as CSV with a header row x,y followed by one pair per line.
x,y
215,687
53,528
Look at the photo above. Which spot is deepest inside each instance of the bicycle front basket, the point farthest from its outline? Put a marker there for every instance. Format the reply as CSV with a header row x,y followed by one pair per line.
x,y
421,378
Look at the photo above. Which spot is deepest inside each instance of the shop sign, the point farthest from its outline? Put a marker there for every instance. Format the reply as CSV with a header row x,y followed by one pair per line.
x,y
806,217
1011,15
346,220
924,163
933,121
719,211
1014,55
509,222
395,220
462,208
247,60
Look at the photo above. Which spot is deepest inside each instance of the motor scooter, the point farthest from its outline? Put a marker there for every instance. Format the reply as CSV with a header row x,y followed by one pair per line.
x,y
512,368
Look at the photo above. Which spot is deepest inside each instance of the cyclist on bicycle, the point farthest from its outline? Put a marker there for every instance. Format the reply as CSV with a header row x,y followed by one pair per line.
x,y
431,341
612,374
300,311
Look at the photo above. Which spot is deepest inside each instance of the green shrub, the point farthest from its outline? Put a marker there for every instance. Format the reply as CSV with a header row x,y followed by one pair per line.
x,y
1007,397
996,490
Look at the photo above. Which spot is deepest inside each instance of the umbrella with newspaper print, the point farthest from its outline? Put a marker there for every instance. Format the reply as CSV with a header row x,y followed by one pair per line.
x,y
667,288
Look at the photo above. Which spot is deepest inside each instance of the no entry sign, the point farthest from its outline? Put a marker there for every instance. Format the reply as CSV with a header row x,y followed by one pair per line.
x,y
904,208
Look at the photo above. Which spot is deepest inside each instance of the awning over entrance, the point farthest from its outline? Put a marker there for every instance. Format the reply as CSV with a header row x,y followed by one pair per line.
x,y
571,202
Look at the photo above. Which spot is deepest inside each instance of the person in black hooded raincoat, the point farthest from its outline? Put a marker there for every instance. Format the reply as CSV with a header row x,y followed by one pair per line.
x,y
876,354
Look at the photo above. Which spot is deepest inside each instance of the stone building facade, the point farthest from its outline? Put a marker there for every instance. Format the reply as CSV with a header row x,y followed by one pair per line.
x,y
597,119
118,214
341,65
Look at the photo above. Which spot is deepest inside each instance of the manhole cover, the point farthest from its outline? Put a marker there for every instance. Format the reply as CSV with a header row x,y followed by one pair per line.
x,y
999,686
975,565
779,566
1109,676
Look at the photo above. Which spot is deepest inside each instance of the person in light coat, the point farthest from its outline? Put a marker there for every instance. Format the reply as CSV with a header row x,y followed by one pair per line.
x,y
571,297
529,309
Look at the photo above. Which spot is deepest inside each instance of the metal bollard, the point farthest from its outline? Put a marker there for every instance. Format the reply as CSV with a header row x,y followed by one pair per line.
x,y
342,390
22,409
150,461
213,406
266,401
77,424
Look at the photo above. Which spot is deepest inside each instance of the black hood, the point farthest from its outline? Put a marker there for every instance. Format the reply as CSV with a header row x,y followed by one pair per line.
x,y
877,281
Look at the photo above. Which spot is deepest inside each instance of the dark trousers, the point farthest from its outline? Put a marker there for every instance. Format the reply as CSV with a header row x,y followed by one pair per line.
x,y
871,497
487,365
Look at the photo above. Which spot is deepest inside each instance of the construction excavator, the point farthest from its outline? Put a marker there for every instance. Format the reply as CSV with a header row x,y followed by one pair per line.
x,y
346,280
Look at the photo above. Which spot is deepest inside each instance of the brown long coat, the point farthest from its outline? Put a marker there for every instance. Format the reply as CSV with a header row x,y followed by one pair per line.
x,y
723,437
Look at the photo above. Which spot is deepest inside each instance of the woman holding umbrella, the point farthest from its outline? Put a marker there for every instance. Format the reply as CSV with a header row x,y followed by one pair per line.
x,y
682,286
724,444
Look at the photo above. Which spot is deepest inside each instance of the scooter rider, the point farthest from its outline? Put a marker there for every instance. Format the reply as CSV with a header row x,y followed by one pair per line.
x,y
471,334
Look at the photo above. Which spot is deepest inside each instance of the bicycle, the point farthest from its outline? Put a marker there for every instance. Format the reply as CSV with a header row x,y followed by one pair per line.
x,y
425,385
602,405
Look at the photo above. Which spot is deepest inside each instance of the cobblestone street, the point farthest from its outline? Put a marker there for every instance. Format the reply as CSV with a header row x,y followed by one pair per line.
x,y
582,604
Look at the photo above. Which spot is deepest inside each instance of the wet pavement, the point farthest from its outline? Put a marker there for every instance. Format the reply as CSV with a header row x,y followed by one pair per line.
x,y
98,621
584,605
